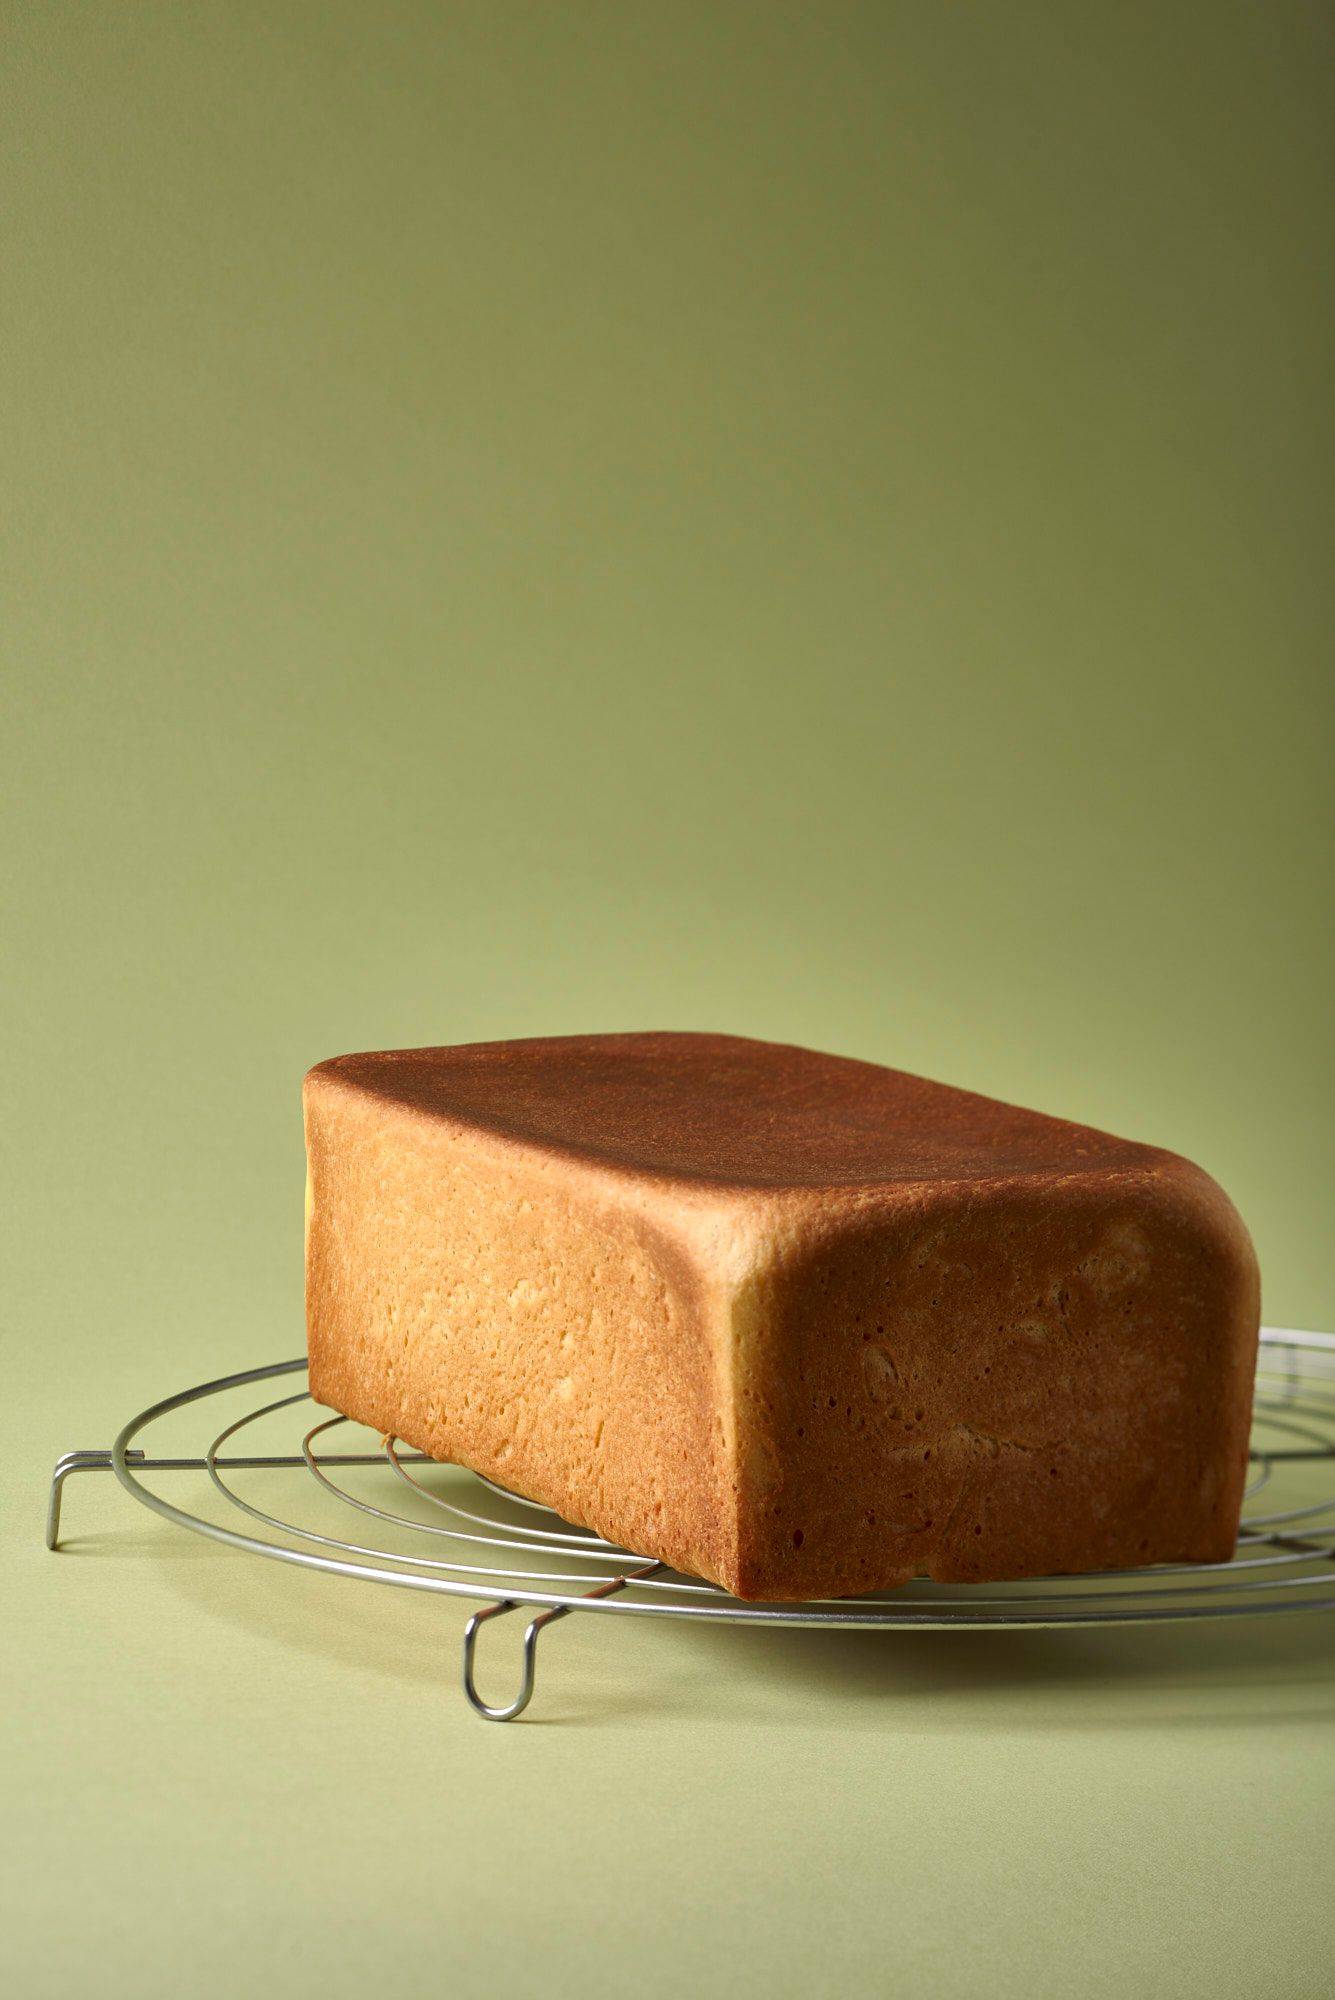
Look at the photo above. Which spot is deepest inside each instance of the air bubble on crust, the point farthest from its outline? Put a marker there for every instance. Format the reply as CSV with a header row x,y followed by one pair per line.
x,y
879,1368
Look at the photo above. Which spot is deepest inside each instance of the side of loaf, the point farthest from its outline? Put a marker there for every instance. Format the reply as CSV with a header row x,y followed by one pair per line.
x,y
901,1330
976,1388
526,1318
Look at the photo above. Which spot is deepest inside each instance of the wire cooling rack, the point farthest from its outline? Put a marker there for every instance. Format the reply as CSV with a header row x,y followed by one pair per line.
x,y
433,1527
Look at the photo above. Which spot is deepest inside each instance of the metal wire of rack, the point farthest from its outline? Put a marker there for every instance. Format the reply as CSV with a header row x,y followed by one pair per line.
x,y
475,1540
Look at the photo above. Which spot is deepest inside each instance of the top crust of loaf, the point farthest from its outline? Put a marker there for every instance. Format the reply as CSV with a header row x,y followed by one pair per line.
x,y
727,1112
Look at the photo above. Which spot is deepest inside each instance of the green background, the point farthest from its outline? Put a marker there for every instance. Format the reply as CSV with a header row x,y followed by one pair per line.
x,y
810,520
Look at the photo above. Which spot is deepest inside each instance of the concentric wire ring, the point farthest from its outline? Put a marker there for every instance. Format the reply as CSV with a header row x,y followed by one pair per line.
x,y
1285,1559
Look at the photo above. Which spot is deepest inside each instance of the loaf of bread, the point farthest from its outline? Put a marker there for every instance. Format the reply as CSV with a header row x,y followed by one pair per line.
x,y
799,1324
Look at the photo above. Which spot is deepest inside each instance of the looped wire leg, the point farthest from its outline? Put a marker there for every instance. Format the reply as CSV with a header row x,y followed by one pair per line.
x,y
525,1695
535,1625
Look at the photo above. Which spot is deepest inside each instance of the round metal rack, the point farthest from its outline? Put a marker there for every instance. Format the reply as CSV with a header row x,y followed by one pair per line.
x,y
422,1525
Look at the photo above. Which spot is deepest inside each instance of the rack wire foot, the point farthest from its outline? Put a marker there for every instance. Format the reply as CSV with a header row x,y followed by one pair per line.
x,y
101,1459
535,1625
98,1460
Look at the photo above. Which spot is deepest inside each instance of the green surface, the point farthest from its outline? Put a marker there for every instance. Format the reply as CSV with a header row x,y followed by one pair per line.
x,y
809,520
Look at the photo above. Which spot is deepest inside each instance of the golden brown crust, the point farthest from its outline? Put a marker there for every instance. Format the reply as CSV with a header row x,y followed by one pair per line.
x,y
1015,1384
461,1298
727,1111
800,1324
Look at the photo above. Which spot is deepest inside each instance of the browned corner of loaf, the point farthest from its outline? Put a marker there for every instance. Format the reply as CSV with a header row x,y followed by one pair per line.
x,y
1215,1282
978,1384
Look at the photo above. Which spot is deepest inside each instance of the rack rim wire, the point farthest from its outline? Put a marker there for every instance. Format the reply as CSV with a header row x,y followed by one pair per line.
x,y
1271,1571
